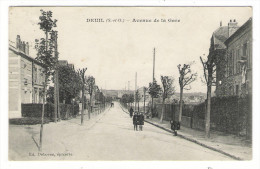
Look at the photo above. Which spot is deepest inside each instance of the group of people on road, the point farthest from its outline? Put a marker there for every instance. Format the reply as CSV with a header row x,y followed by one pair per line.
x,y
138,119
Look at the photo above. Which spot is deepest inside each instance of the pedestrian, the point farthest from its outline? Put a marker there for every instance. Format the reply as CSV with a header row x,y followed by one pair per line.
x,y
141,121
174,127
135,121
131,112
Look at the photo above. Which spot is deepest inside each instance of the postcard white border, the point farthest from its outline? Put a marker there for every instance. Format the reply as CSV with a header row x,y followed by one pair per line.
x,y
5,164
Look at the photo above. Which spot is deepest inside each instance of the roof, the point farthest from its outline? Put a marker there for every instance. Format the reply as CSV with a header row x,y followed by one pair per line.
x,y
25,56
219,37
240,30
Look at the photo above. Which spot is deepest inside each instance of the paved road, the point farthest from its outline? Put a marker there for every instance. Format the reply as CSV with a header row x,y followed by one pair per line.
x,y
109,137
113,138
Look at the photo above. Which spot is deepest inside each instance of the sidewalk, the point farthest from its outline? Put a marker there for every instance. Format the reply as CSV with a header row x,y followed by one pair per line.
x,y
233,146
57,138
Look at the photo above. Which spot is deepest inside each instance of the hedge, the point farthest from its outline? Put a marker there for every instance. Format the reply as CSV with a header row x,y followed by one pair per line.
x,y
35,110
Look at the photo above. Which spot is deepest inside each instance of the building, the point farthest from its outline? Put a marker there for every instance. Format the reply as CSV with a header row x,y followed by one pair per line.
x,y
144,95
66,63
234,75
63,63
189,98
120,93
218,49
26,78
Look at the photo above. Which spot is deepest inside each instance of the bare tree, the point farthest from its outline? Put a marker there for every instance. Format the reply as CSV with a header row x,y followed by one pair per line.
x,y
81,73
185,79
210,67
167,91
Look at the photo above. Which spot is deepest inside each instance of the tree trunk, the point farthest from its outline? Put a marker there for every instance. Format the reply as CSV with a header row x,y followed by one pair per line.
x,y
42,118
44,92
152,109
180,108
82,110
163,109
207,114
90,107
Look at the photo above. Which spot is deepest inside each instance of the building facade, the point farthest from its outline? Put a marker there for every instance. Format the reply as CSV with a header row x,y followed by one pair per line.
x,y
26,78
236,68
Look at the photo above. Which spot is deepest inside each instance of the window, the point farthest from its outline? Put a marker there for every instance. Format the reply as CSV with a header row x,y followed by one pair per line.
x,y
245,50
35,75
238,58
231,90
25,81
227,67
249,56
234,62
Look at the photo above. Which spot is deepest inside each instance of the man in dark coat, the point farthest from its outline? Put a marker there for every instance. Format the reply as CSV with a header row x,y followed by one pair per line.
x,y
131,112
135,121
141,121
175,126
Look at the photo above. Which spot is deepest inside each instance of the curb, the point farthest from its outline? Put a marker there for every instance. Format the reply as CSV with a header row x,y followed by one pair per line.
x,y
192,140
197,142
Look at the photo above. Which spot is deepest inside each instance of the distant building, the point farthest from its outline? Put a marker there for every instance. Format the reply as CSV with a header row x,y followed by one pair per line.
x,y
146,95
26,78
190,98
120,93
63,63
234,74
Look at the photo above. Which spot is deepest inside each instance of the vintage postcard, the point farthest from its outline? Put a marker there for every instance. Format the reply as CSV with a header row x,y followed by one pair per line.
x,y
130,83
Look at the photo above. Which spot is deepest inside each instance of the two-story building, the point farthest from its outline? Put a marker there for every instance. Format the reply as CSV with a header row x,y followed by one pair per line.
x,y
236,69
26,77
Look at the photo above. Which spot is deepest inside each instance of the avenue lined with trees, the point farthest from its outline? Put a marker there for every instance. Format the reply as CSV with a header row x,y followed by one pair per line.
x,y
68,82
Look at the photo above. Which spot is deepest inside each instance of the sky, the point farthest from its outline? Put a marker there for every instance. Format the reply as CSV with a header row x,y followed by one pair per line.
x,y
114,51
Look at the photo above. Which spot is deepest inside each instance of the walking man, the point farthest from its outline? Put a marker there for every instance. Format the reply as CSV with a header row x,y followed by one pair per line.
x,y
141,121
131,112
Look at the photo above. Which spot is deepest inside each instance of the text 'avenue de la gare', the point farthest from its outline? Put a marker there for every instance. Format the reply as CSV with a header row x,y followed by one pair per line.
x,y
134,20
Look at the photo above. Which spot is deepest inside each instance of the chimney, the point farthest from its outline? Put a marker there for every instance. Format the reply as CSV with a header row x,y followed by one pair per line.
x,y
27,48
18,42
232,27
23,47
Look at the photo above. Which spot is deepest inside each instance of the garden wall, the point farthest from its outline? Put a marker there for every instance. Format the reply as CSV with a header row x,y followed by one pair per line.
x,y
232,115
35,110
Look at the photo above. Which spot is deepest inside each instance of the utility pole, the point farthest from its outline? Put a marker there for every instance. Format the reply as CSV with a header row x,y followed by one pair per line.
x,y
56,80
144,97
135,88
128,85
153,77
55,96
58,94
81,73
